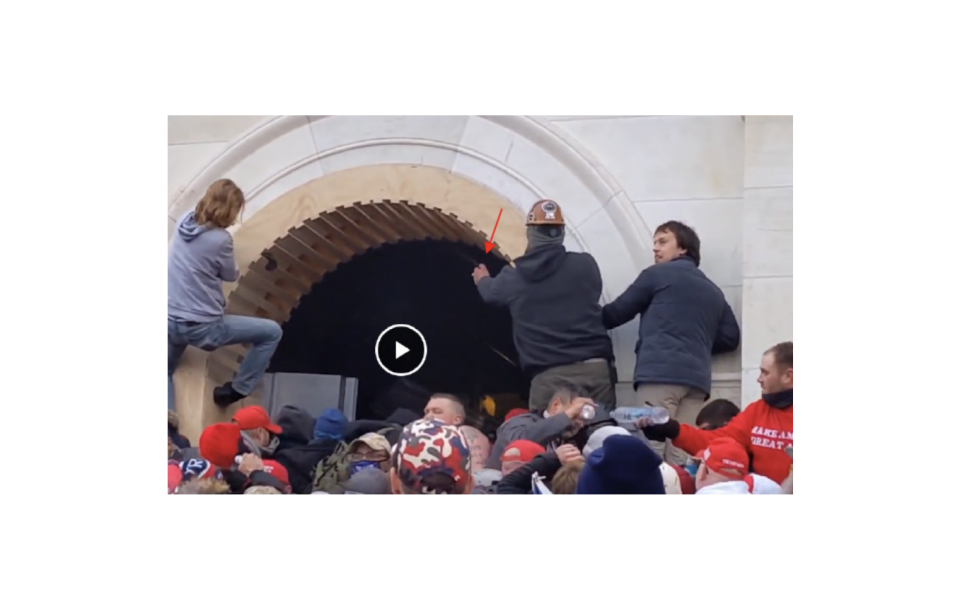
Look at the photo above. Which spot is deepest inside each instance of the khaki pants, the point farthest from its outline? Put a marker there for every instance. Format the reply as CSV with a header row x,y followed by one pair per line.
x,y
684,404
593,376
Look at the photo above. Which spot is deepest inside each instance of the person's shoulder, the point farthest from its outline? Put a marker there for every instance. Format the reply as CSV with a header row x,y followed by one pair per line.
x,y
222,235
520,421
683,264
754,406
683,270
659,272
581,257
508,276
582,260
215,237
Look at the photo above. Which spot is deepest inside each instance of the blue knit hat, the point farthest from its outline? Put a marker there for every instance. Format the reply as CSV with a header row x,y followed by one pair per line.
x,y
330,424
624,465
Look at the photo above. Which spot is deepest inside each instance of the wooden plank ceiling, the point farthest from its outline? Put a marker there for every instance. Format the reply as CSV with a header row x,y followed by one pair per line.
x,y
273,285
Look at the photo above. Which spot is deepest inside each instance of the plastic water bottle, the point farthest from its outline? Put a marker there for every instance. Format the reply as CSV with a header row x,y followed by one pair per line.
x,y
629,415
588,412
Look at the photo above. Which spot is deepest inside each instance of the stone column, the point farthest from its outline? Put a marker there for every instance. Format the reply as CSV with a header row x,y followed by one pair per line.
x,y
767,242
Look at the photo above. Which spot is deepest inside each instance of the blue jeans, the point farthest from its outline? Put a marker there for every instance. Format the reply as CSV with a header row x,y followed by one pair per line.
x,y
262,334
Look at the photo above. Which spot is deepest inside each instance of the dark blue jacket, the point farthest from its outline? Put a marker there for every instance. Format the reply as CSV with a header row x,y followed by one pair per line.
x,y
684,319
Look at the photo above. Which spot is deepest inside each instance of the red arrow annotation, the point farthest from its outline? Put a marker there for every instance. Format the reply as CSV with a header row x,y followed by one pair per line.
x,y
489,245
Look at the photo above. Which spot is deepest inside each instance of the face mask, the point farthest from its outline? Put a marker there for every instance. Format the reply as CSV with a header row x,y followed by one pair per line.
x,y
270,448
359,465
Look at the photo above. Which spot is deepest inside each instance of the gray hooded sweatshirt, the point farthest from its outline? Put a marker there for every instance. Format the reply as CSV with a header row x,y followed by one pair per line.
x,y
201,258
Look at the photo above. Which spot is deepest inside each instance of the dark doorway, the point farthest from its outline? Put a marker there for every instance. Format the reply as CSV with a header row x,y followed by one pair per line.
x,y
426,284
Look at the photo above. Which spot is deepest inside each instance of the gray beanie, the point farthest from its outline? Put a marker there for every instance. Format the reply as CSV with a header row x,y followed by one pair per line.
x,y
599,436
368,481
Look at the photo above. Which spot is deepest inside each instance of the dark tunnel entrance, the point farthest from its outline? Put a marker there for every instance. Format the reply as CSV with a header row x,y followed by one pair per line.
x,y
426,284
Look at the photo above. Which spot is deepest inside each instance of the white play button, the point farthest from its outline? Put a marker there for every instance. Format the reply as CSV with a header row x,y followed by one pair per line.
x,y
400,350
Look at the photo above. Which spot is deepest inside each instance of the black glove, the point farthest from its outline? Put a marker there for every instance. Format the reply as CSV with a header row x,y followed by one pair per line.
x,y
237,481
661,433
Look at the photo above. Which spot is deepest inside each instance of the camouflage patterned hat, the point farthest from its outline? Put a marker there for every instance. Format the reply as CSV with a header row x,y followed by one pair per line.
x,y
432,459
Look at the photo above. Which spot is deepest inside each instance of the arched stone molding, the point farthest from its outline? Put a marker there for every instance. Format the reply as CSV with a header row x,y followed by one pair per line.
x,y
448,162
519,157
453,205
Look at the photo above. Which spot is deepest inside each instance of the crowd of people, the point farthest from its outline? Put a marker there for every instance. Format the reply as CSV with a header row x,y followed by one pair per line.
x,y
565,442
556,452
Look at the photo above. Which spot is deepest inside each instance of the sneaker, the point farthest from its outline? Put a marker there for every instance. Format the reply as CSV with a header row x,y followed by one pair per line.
x,y
224,395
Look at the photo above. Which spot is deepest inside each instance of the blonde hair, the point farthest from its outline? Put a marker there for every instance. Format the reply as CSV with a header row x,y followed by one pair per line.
x,y
261,490
204,486
565,480
221,205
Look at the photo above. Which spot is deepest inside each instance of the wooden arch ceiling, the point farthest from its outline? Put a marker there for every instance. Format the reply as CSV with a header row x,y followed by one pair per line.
x,y
309,251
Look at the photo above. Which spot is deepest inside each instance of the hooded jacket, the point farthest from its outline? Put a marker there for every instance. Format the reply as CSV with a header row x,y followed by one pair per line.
x,y
296,452
200,259
684,319
554,299
297,426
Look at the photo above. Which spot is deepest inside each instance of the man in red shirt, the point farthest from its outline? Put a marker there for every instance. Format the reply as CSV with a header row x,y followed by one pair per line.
x,y
764,428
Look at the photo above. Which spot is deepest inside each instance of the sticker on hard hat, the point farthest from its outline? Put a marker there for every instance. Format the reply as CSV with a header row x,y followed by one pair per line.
x,y
550,209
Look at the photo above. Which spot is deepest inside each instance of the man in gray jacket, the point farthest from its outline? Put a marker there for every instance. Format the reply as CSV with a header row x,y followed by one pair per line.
x,y
554,301
561,421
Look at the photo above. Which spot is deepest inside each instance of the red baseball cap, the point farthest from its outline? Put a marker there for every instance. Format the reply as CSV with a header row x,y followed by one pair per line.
x,y
220,443
727,457
515,413
521,450
174,477
253,417
277,471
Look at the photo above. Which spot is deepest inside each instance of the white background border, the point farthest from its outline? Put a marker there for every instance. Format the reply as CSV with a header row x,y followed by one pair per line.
x,y
89,88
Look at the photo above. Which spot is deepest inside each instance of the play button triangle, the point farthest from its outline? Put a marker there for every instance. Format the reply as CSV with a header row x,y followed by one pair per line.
x,y
400,350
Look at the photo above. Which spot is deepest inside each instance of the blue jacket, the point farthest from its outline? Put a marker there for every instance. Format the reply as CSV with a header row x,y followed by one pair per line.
x,y
684,319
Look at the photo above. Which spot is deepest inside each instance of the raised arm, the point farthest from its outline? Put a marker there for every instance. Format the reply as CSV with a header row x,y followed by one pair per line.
x,y
228,263
493,290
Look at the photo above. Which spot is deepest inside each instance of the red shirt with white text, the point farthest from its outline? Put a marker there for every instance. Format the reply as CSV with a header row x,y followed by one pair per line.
x,y
764,431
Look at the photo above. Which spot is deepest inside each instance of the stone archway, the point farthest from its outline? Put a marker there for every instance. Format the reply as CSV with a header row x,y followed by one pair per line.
x,y
274,284
311,229
295,168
